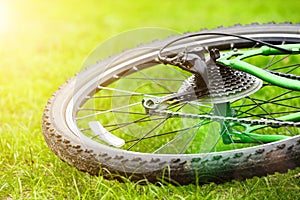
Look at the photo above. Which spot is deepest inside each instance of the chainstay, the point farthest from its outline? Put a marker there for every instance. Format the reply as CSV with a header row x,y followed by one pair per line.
x,y
266,122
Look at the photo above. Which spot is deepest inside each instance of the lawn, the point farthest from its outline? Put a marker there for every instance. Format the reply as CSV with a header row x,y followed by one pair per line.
x,y
43,43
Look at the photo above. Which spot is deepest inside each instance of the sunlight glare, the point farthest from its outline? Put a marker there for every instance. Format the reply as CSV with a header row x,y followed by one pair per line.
x,y
5,16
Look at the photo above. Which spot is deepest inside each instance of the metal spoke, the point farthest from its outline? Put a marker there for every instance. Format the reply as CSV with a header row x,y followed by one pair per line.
x,y
277,61
153,80
253,138
270,100
122,125
184,131
254,46
195,103
270,62
148,133
192,104
295,66
243,103
289,98
215,144
115,111
276,102
264,102
272,117
107,111
163,134
273,57
168,133
259,105
128,95
123,91
219,138
189,140
198,108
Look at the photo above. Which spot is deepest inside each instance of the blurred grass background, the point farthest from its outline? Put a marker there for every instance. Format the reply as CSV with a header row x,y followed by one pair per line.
x,y
43,43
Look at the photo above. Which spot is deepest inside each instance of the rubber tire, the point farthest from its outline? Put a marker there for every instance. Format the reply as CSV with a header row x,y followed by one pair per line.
x,y
92,157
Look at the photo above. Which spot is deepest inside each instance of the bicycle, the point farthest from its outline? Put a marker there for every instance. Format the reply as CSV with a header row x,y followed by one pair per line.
x,y
213,105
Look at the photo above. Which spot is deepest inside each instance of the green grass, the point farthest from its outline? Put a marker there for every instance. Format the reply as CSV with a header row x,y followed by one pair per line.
x,y
43,43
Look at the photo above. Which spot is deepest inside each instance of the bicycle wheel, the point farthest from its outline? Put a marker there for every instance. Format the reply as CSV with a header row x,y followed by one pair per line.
x,y
97,119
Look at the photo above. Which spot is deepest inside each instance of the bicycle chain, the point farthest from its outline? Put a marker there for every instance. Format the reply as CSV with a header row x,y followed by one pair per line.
x,y
266,122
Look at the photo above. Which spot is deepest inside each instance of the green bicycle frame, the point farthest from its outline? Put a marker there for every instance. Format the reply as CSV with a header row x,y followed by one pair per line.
x,y
234,59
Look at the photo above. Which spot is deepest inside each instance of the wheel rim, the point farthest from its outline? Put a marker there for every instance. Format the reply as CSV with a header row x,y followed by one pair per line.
x,y
183,137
